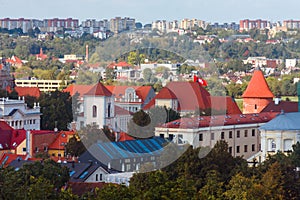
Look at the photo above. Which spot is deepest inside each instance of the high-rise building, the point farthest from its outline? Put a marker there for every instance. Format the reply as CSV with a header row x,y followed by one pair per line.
x,y
246,24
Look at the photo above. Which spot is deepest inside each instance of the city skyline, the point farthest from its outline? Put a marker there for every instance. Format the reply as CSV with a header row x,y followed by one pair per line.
x,y
211,11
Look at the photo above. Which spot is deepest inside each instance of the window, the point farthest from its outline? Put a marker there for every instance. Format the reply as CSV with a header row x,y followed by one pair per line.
x,y
222,135
212,136
36,149
255,106
230,150
271,144
230,134
238,149
94,111
237,134
108,110
101,178
162,135
253,147
246,133
128,167
24,149
287,145
200,137
245,148
96,177
253,132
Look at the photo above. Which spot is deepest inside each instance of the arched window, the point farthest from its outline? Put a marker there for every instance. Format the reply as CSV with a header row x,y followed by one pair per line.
x,y
271,144
255,106
94,111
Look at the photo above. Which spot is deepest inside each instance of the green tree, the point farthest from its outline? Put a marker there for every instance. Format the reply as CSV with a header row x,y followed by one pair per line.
x,y
75,147
56,108
147,74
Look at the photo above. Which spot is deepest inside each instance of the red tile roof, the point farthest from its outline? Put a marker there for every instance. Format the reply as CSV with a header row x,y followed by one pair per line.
x,y
81,89
99,90
165,93
28,91
224,103
190,96
125,137
258,87
61,139
119,64
42,139
286,106
9,137
220,120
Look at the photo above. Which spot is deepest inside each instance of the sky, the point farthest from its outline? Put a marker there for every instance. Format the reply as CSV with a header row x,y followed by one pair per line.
x,y
147,11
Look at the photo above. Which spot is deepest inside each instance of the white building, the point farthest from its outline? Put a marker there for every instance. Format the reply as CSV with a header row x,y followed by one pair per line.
x,y
99,107
18,115
279,135
239,131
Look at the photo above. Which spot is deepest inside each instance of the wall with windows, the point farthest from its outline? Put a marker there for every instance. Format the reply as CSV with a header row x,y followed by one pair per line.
x,y
243,139
274,141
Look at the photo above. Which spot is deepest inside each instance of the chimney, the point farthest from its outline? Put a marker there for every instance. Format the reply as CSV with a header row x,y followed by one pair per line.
x,y
28,143
277,100
87,53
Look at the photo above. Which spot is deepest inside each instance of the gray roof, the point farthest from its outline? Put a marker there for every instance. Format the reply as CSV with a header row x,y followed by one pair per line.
x,y
283,121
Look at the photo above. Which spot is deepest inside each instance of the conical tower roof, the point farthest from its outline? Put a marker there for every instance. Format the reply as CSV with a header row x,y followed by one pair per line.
x,y
258,86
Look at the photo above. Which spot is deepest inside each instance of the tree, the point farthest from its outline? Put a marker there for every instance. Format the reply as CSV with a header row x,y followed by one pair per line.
x,y
56,108
147,74
23,72
213,188
38,180
75,147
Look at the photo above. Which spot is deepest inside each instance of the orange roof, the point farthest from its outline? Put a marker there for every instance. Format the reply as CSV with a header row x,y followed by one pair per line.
x,y
218,104
119,64
28,91
165,93
61,139
190,96
125,137
258,87
99,90
81,89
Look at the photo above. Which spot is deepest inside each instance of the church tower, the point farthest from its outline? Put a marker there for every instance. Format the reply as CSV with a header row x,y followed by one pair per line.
x,y
257,95
99,106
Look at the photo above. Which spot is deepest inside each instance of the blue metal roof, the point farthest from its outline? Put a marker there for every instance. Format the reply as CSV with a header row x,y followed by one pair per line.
x,y
132,148
283,121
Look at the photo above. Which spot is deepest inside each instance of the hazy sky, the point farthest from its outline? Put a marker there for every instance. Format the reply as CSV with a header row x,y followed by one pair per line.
x,y
147,11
